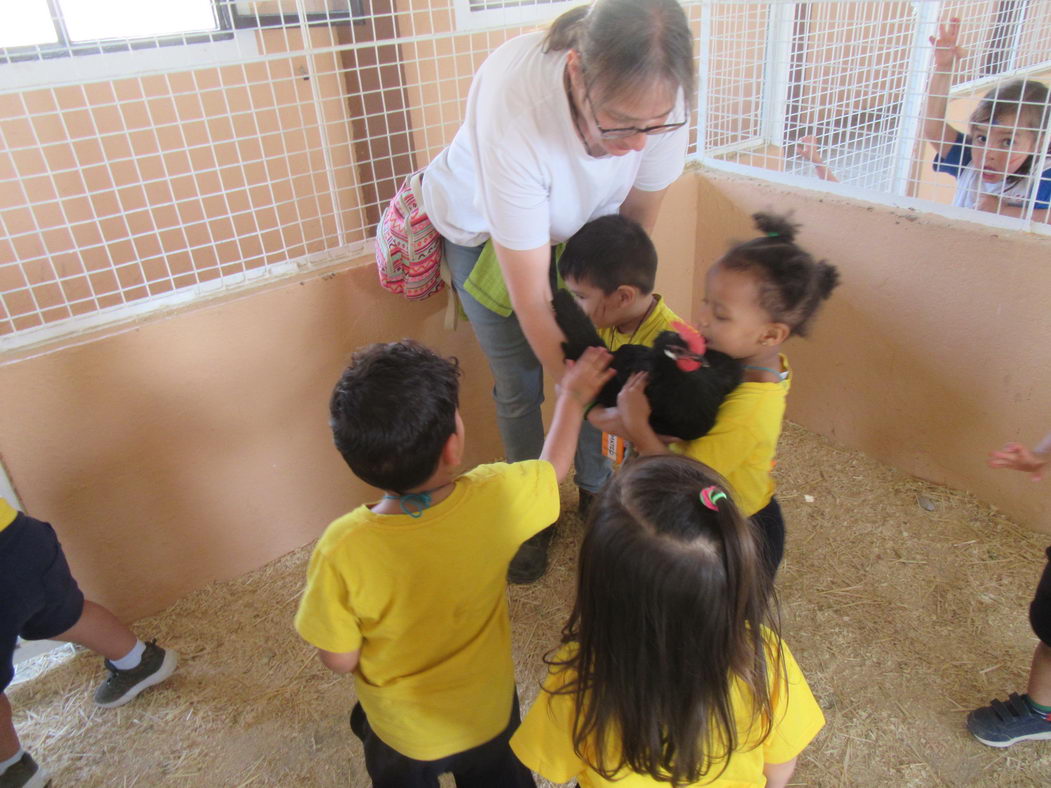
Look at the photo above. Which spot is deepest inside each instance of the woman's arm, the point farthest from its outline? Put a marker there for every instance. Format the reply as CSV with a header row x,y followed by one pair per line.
x,y
643,207
526,275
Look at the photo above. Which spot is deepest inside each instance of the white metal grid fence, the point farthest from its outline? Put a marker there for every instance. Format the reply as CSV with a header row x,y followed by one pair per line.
x,y
158,171
844,86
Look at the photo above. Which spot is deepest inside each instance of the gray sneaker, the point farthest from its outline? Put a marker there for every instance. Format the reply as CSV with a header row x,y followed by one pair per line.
x,y
25,773
123,685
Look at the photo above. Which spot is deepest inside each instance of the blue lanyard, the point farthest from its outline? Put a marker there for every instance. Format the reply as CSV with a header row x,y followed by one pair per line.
x,y
422,499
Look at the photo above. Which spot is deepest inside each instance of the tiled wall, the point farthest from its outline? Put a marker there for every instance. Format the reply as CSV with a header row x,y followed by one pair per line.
x,y
118,190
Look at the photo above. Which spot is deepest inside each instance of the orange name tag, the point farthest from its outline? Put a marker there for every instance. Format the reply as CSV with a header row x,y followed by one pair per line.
x,y
614,448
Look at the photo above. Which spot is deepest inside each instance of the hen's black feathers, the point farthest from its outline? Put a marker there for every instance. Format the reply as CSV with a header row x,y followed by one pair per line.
x,y
684,404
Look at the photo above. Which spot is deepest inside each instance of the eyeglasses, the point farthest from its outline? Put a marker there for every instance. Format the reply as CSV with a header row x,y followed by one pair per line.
x,y
627,131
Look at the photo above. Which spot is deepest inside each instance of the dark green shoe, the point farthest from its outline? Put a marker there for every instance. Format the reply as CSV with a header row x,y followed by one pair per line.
x,y
530,562
123,685
25,773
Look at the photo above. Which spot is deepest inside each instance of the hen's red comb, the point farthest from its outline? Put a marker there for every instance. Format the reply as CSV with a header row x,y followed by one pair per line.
x,y
691,336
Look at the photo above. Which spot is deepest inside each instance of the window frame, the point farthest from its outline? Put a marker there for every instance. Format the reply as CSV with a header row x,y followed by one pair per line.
x,y
228,19
355,14
64,47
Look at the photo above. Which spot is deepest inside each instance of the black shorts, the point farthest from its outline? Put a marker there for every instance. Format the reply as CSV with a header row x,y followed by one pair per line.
x,y
40,597
1040,607
485,766
771,526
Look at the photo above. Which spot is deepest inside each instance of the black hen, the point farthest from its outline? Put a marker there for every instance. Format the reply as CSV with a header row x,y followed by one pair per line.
x,y
687,384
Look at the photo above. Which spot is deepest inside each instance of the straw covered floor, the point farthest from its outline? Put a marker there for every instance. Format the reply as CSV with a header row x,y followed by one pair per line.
x,y
905,604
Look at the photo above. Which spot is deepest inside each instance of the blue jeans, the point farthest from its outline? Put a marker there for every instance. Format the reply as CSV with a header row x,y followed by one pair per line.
x,y
518,376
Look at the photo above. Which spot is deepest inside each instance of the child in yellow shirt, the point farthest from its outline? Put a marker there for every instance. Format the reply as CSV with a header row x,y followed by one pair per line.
x,y
671,670
610,266
409,593
758,295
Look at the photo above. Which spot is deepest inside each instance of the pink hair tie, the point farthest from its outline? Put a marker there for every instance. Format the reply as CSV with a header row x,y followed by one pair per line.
x,y
710,495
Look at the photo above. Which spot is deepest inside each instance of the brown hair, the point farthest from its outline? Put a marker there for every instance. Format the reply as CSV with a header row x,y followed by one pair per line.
x,y
673,607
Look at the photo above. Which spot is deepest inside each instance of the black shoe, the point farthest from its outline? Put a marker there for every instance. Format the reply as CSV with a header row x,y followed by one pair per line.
x,y
530,562
584,502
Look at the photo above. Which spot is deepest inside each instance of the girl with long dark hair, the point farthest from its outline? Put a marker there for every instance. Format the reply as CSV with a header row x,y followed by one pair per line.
x,y
672,669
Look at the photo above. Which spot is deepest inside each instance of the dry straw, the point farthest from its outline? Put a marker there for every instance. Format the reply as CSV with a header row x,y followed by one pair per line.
x,y
903,618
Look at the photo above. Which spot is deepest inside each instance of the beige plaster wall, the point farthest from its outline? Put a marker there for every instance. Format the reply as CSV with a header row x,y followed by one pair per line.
x,y
936,348
195,447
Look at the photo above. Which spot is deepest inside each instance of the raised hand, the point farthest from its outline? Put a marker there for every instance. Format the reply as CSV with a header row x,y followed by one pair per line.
x,y
806,147
946,49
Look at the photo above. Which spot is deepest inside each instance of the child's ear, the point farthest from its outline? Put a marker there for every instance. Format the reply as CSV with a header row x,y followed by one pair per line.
x,y
775,333
452,451
626,295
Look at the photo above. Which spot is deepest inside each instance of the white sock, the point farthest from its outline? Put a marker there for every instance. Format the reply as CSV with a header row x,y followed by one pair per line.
x,y
131,659
5,765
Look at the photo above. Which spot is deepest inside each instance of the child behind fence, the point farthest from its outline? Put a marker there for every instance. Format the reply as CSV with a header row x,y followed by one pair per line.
x,y
996,163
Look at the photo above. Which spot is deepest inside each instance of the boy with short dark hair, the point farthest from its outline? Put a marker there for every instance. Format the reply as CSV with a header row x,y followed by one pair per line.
x,y
40,600
610,267
408,593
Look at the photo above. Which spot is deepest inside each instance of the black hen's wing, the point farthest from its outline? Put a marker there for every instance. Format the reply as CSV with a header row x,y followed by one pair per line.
x,y
626,360
578,328
685,403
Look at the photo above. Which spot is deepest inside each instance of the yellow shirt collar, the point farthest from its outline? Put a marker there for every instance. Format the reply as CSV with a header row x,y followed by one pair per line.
x,y
7,514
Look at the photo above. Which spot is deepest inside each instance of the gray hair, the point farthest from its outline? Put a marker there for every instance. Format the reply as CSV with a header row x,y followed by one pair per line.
x,y
627,45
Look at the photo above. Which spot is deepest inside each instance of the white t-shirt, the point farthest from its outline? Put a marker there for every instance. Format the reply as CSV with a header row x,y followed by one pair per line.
x,y
517,169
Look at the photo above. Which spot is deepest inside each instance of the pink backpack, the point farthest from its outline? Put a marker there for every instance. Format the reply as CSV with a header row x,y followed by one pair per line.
x,y
408,248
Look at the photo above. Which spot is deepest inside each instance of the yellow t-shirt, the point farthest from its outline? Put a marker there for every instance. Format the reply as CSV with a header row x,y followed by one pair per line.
x,y
7,514
544,742
742,444
658,320
425,600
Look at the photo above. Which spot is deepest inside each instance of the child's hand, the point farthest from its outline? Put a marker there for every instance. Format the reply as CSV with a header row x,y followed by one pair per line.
x,y
1019,458
608,420
806,148
988,202
946,51
633,405
586,376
